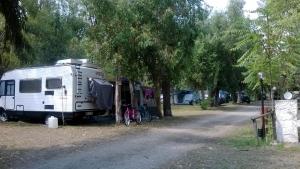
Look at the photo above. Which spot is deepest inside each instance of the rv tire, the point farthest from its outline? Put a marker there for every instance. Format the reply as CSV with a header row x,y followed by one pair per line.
x,y
3,116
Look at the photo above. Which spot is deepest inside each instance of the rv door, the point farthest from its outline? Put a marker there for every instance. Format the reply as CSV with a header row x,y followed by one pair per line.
x,y
9,95
53,94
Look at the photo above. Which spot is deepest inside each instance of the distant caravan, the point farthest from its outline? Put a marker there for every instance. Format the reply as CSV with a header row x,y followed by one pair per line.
x,y
71,88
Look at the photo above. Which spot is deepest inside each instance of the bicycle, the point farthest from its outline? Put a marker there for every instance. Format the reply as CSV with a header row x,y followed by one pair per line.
x,y
145,114
131,114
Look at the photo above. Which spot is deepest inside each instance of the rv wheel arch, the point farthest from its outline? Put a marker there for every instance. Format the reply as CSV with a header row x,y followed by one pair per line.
x,y
3,115
46,118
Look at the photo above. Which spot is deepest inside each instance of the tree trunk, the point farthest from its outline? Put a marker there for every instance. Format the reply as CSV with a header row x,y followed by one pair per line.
x,y
215,96
166,85
215,89
132,98
239,99
118,113
157,97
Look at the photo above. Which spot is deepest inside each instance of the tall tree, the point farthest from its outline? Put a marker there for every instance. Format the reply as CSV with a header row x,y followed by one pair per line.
x,y
12,41
148,37
272,43
14,22
213,64
60,36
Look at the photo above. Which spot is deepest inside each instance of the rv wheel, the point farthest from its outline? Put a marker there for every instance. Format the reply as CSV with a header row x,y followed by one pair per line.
x,y
3,116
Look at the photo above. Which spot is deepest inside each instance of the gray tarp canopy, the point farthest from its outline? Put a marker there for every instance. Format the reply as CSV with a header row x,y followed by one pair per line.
x,y
103,92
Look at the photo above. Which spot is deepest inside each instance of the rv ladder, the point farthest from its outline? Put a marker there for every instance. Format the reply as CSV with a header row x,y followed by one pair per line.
x,y
79,80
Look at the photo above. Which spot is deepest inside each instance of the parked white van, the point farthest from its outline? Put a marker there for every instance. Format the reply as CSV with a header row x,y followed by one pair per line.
x,y
62,90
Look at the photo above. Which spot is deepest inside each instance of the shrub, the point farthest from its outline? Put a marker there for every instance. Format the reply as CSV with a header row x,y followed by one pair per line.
x,y
204,104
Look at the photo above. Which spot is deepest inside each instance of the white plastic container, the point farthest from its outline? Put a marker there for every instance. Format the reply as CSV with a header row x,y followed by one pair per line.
x,y
52,122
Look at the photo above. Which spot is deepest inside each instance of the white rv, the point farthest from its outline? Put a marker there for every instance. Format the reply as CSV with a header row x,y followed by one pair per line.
x,y
61,90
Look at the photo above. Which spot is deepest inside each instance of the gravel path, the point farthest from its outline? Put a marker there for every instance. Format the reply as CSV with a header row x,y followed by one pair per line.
x,y
192,144
152,149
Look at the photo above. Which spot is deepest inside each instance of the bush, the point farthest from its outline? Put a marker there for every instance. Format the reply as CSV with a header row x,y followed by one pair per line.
x,y
204,104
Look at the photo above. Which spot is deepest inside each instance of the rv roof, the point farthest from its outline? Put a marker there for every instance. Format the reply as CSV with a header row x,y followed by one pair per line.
x,y
78,62
41,67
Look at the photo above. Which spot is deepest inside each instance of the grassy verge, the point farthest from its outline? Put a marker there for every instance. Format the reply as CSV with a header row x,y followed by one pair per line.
x,y
244,138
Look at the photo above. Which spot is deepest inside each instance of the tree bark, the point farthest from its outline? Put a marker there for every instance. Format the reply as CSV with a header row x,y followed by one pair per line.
x,y
166,85
215,96
132,98
238,101
157,96
118,113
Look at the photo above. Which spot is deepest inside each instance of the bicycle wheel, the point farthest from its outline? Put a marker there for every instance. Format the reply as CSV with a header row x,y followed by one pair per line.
x,y
148,116
138,117
126,118
142,112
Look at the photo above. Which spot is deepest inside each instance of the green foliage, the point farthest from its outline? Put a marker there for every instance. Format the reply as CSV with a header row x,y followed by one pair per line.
x,y
272,43
213,63
53,32
169,43
15,16
152,35
146,38
204,104
12,41
8,60
8,57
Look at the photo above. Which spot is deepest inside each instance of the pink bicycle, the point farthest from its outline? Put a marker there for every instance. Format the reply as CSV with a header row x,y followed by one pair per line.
x,y
131,114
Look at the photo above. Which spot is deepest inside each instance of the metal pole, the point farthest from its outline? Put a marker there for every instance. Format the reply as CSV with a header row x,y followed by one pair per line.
x,y
273,116
62,105
262,108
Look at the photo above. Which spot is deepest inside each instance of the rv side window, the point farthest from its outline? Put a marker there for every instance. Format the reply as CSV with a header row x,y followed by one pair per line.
x,y
53,83
31,86
10,88
2,88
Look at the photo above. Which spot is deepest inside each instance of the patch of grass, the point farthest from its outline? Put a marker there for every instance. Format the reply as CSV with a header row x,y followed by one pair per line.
x,y
288,147
280,147
186,110
244,139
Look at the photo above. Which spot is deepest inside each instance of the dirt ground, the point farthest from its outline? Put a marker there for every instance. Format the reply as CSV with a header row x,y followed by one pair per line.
x,y
17,138
25,135
216,155
192,139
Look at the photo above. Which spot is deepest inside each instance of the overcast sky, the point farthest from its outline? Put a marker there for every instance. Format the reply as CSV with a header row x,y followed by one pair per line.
x,y
220,5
